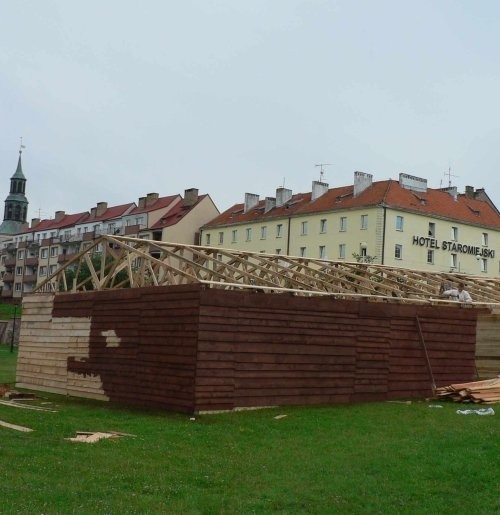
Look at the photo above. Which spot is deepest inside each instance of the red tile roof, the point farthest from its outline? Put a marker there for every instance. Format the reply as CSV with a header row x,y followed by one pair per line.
x,y
109,214
388,193
175,214
50,224
158,204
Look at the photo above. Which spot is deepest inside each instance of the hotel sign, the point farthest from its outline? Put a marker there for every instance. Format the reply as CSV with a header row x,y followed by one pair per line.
x,y
453,246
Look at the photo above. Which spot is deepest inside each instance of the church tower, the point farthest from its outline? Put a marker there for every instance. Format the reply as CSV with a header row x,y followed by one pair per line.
x,y
16,203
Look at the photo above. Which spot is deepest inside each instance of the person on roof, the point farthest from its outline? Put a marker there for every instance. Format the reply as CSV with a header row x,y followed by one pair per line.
x,y
458,294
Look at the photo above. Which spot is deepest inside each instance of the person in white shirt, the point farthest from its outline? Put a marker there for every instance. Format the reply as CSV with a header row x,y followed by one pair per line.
x,y
458,294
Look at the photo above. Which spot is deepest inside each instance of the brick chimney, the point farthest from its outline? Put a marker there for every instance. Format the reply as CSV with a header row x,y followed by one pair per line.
x,y
142,203
190,197
283,195
469,191
318,189
93,212
362,181
251,200
151,198
59,215
101,208
34,222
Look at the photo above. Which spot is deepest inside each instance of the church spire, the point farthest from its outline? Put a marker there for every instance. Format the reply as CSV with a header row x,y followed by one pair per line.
x,y
16,203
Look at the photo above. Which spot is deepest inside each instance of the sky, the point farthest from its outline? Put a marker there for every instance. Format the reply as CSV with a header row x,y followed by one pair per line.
x,y
117,98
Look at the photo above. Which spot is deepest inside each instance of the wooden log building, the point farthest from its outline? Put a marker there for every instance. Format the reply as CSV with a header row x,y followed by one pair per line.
x,y
191,328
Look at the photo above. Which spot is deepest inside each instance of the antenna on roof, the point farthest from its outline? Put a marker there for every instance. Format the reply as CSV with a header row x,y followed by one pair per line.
x,y
450,175
321,171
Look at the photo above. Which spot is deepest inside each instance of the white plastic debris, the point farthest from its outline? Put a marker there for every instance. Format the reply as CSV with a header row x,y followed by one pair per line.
x,y
435,406
482,411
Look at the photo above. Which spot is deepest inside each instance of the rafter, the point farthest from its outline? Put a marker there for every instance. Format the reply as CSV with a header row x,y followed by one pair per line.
x,y
132,262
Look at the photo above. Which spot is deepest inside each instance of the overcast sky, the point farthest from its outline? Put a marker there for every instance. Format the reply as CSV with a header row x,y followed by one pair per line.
x,y
115,99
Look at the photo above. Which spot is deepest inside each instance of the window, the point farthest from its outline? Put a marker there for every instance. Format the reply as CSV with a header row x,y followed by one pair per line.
x,y
454,233
279,230
52,234
44,235
342,251
207,238
363,253
432,229
111,228
343,223
364,222
19,287
322,226
453,262
302,251
430,257
52,269
54,251
399,223
19,270
234,236
221,238
398,251
263,232
303,228
138,221
67,235
79,230
484,239
278,251
249,234
484,265
322,252
20,254
85,229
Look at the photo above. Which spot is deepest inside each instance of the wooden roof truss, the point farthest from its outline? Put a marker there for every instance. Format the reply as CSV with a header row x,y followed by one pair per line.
x,y
121,261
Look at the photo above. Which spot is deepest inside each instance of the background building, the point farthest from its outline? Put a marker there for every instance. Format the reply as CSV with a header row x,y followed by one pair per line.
x,y
398,223
36,251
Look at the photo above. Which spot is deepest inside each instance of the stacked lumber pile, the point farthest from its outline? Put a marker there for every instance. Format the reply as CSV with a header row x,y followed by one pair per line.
x,y
485,392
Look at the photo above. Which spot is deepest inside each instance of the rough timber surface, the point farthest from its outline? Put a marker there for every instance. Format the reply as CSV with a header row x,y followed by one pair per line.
x,y
488,345
191,348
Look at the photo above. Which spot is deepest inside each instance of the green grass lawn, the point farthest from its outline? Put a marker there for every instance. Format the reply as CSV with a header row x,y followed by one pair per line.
x,y
9,310
368,458
7,364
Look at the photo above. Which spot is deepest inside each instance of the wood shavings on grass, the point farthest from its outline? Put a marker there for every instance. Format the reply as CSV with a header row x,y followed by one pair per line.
x,y
95,436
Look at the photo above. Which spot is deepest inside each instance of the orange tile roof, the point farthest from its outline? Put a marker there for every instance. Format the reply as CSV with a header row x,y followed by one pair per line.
x,y
388,193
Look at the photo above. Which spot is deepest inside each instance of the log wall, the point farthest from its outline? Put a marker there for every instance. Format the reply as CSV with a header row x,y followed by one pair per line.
x,y
187,348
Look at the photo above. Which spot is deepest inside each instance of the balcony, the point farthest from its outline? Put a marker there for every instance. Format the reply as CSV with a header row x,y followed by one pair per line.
x,y
8,278
66,240
62,258
6,293
10,262
50,241
31,261
29,278
88,236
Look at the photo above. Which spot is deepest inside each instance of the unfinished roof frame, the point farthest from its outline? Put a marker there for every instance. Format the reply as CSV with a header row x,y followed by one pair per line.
x,y
143,263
